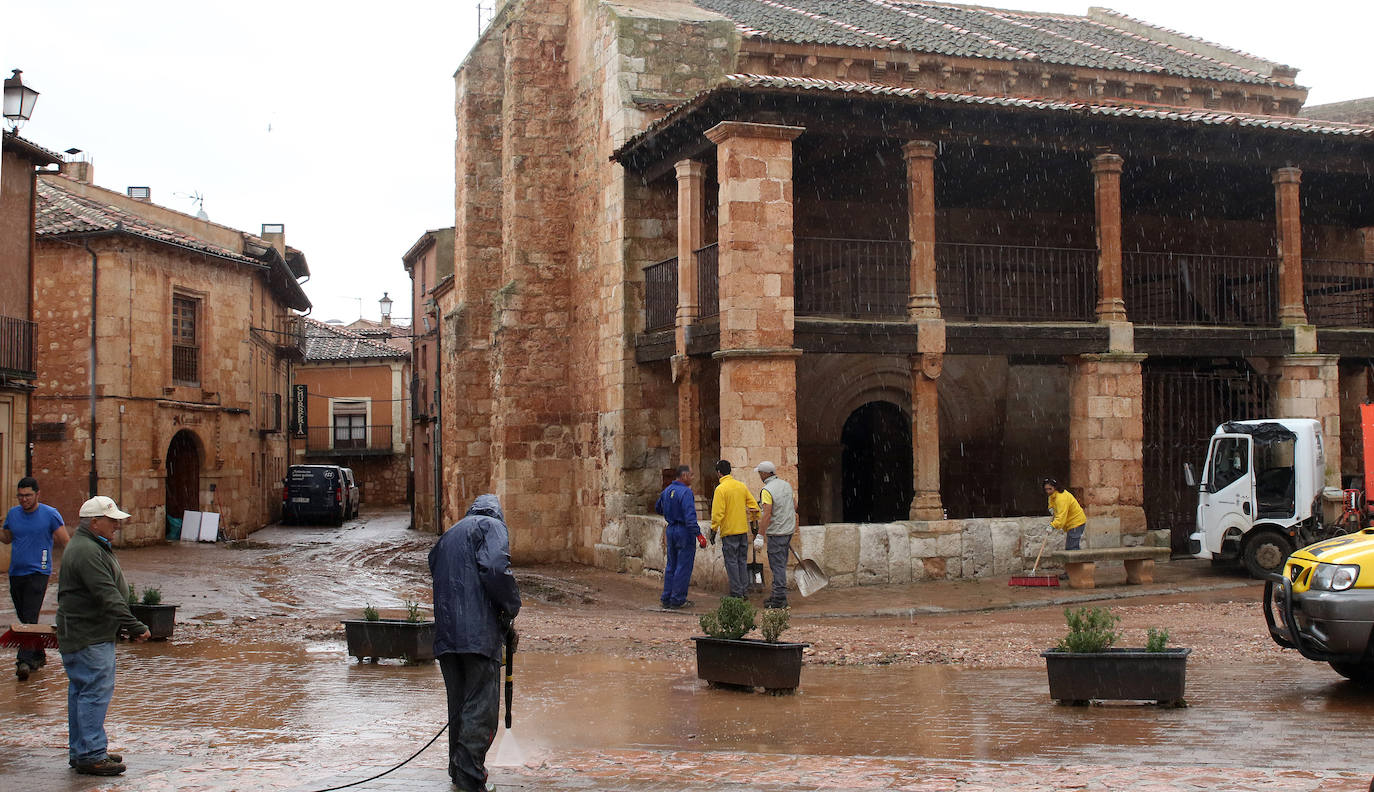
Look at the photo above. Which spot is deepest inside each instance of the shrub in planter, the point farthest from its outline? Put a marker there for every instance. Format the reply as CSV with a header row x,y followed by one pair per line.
x,y
372,638
149,609
1084,667
726,658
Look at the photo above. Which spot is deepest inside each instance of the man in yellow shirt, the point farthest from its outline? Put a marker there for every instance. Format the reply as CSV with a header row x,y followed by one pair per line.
x,y
1067,515
732,507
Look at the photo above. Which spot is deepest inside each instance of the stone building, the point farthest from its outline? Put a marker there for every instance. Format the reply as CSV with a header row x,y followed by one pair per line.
x,y
355,411
164,348
19,161
918,255
429,262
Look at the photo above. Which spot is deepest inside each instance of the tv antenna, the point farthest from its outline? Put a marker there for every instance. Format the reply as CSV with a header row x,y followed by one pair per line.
x,y
198,200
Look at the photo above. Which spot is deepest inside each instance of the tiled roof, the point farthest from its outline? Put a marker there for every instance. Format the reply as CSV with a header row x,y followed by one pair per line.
x,y
59,211
326,342
1186,115
33,151
1354,111
977,32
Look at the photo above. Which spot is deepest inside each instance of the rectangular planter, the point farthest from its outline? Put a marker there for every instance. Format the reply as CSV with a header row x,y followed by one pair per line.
x,y
161,619
398,638
749,663
1132,674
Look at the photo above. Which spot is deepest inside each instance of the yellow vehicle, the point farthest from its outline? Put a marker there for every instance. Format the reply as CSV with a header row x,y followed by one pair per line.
x,y
1322,604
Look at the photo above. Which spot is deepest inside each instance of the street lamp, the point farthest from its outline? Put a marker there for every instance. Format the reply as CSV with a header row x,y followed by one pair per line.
x,y
385,303
19,100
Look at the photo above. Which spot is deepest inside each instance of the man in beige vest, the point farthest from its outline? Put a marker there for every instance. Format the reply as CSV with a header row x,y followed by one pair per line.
x,y
777,522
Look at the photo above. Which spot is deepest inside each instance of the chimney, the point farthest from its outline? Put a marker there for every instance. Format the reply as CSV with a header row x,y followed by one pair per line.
x,y
83,171
144,194
275,235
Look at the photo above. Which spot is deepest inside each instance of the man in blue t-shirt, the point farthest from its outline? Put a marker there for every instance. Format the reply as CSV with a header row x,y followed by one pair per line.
x,y
31,529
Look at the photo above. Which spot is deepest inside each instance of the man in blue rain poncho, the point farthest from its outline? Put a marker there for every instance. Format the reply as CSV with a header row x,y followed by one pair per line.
x,y
475,604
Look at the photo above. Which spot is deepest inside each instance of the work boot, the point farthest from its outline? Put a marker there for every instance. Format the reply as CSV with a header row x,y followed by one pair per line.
x,y
103,767
112,757
22,670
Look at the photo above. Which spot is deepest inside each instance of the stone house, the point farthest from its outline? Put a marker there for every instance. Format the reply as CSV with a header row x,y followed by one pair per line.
x,y
355,410
919,255
19,161
164,348
429,262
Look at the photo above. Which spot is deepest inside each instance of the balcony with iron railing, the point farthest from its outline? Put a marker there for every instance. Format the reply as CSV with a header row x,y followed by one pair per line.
x,y
349,440
17,347
867,279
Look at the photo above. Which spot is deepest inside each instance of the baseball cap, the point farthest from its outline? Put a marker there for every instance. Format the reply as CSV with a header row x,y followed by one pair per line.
x,y
102,506
765,467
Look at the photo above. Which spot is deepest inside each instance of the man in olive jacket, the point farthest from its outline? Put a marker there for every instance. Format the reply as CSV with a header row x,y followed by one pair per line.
x,y
475,604
92,609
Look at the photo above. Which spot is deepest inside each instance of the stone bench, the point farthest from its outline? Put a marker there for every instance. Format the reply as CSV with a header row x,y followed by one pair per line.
x,y
1139,561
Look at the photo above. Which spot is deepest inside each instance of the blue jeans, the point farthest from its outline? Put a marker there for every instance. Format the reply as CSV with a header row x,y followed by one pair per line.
x,y
1074,538
90,685
679,556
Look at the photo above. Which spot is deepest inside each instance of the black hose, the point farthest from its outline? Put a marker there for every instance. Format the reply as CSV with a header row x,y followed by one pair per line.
x,y
397,767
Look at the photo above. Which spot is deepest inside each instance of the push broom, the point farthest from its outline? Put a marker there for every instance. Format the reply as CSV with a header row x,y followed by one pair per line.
x,y
1033,579
29,636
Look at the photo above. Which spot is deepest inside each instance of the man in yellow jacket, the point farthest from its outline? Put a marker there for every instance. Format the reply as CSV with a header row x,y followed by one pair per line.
x,y
1066,514
732,507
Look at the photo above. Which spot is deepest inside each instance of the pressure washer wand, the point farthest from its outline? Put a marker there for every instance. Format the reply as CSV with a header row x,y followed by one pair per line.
x,y
510,672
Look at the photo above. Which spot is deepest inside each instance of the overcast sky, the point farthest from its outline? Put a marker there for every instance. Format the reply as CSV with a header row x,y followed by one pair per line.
x,y
340,124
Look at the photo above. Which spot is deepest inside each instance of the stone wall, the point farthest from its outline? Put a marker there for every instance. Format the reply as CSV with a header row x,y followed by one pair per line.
x,y
880,554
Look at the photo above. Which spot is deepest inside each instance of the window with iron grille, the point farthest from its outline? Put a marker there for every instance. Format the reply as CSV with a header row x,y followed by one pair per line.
x,y
185,340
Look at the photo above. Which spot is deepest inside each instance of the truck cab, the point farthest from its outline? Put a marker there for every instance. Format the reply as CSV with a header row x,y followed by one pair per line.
x,y
1259,496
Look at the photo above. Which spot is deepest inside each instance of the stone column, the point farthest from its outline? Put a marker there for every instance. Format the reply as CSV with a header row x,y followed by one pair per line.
x,y
758,367
1289,220
691,179
1310,387
925,434
1106,438
1111,306
923,302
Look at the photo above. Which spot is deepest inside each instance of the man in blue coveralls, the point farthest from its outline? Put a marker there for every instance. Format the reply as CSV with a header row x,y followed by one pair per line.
x,y
678,505
31,529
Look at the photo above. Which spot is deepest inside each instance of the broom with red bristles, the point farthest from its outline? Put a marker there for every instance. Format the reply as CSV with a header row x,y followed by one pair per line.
x,y
29,636
1033,579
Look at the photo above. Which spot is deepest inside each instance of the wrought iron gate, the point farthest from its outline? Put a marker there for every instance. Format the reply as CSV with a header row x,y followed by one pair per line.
x,y
1183,403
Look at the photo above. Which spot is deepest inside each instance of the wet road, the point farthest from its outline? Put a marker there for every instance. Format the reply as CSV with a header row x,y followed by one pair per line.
x,y
199,713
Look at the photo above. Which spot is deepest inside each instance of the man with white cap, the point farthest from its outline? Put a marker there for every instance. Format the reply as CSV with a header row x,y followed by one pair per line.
x,y
777,522
92,610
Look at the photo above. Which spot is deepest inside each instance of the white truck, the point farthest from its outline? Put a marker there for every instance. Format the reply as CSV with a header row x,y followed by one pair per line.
x,y
1260,494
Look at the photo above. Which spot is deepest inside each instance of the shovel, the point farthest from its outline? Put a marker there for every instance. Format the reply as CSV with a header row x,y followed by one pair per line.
x,y
30,637
809,576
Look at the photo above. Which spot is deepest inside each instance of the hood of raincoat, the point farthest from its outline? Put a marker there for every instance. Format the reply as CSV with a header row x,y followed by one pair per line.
x,y
475,595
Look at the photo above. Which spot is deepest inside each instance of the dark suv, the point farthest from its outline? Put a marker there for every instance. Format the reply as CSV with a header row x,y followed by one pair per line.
x,y
314,493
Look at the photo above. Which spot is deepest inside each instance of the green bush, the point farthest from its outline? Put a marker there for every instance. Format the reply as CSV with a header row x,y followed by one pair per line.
x,y
370,613
1090,630
412,611
132,599
731,619
1156,639
773,622
151,595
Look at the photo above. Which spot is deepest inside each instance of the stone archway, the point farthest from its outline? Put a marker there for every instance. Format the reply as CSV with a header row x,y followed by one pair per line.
x,y
184,461
877,481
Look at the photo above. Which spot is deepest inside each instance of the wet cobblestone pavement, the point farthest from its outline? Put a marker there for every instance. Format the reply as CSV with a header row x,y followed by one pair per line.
x,y
264,712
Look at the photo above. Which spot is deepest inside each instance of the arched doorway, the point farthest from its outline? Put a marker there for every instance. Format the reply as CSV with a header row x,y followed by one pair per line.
x,y
183,474
876,464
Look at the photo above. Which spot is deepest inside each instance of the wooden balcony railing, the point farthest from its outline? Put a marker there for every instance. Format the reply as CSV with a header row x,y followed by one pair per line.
x,y
1200,289
851,278
708,281
660,295
356,440
1011,283
16,347
1338,293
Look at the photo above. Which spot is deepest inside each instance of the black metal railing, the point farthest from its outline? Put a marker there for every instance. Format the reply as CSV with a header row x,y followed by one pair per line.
x,y
660,295
851,278
708,280
290,341
349,439
1200,289
16,346
185,364
1338,293
1012,283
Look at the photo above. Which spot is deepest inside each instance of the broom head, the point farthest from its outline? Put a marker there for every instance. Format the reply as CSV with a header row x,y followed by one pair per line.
x,y
29,636
1034,580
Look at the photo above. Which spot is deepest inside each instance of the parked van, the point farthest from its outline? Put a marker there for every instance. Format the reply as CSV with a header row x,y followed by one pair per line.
x,y
314,493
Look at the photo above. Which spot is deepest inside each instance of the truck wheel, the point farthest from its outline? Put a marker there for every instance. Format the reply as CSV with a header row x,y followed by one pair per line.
x,y
1266,552
1359,672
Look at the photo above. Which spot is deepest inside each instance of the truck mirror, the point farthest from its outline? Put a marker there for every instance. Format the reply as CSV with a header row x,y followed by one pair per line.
x,y
1188,474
